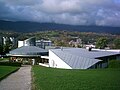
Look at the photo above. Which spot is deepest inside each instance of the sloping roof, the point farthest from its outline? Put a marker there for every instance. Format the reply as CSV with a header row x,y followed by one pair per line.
x,y
88,54
78,58
75,62
28,50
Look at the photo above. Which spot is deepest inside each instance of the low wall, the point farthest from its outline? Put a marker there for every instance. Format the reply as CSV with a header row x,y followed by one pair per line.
x,y
43,64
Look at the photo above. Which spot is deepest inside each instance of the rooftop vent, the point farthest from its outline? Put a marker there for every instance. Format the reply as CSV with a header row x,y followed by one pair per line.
x,y
61,48
89,48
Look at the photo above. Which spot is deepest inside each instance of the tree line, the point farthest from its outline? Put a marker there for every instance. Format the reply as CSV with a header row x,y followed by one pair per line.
x,y
62,38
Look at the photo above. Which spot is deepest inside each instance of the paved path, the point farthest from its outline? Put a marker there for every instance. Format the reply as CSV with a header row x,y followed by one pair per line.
x,y
20,80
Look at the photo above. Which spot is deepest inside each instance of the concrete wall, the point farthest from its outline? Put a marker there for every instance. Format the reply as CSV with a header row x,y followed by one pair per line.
x,y
20,43
56,62
43,43
109,50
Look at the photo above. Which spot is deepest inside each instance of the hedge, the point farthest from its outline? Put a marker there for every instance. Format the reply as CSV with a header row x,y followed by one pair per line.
x,y
10,64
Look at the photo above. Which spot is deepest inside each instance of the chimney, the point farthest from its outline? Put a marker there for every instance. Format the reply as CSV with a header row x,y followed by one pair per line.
x,y
89,48
61,48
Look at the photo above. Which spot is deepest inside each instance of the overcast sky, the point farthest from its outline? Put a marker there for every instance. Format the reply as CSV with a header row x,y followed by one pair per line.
x,y
75,12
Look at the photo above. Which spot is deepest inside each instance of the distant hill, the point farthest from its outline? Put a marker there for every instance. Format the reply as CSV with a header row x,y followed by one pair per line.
x,y
23,26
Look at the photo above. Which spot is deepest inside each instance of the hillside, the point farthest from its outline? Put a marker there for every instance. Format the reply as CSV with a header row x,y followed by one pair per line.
x,y
23,26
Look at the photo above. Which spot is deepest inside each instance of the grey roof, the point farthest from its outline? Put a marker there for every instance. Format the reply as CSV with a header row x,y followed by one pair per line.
x,y
78,58
28,50
89,54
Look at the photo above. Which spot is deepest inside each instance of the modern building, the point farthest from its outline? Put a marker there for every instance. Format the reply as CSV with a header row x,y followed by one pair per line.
x,y
29,54
43,43
33,42
28,42
20,43
78,58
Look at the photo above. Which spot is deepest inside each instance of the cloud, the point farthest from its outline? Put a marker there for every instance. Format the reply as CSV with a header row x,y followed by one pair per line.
x,y
75,12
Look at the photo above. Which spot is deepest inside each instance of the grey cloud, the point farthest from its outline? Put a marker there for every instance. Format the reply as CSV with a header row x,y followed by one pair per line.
x,y
21,2
76,12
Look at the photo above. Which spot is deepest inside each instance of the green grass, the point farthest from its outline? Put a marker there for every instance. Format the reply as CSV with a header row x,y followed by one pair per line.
x,y
60,79
6,70
4,59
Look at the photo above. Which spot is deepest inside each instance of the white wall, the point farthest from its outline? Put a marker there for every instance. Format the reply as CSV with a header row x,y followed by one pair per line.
x,y
109,50
26,43
20,43
56,62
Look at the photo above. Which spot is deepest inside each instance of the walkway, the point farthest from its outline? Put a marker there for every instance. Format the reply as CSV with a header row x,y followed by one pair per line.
x,y
20,80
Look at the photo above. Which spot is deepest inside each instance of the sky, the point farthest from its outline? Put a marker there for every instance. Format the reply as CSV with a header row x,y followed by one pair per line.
x,y
74,12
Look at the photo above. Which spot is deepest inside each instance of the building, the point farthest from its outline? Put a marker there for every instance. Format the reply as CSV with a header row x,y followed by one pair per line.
x,y
78,58
27,54
20,43
43,43
33,42
28,42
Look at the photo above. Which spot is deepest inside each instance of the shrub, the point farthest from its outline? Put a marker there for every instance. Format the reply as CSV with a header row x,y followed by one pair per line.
x,y
10,64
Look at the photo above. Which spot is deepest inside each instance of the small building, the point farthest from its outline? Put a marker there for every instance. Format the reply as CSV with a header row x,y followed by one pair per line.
x,y
33,42
28,42
43,43
78,58
27,54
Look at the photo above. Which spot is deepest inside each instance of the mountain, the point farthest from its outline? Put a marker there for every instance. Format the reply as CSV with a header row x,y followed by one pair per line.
x,y
24,26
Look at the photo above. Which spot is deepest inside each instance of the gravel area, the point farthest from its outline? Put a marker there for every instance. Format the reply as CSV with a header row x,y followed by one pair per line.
x,y
20,80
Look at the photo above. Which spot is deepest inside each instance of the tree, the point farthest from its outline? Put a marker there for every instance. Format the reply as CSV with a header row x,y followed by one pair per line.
x,y
7,46
117,43
101,43
1,49
6,49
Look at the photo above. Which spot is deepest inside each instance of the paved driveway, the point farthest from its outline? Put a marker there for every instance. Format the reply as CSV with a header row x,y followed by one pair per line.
x,y
20,80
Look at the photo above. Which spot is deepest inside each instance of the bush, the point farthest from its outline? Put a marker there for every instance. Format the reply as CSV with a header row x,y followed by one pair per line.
x,y
10,64
114,64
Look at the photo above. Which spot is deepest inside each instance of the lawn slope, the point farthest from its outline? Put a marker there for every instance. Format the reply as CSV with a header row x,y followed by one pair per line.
x,y
6,70
59,79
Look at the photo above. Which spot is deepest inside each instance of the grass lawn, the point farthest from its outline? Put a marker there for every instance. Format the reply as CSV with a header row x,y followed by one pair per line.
x,y
1,59
59,79
6,70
